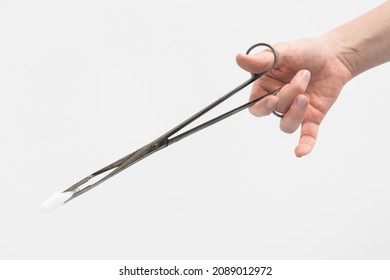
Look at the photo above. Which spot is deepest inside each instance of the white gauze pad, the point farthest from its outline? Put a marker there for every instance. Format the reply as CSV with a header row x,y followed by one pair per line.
x,y
56,200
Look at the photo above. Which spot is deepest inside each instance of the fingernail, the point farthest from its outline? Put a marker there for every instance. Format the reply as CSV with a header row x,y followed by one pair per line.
x,y
305,75
301,103
271,103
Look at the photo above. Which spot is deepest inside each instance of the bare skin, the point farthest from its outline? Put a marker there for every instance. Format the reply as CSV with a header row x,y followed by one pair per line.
x,y
313,72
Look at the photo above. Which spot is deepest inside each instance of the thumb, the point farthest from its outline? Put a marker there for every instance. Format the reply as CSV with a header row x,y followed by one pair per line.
x,y
255,63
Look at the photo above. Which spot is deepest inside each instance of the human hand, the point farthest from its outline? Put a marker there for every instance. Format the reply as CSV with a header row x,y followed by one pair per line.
x,y
311,73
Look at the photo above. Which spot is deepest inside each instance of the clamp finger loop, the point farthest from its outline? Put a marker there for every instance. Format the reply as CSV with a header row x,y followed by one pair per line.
x,y
269,48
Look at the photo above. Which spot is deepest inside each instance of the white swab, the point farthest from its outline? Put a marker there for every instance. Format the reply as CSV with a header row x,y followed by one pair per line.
x,y
56,200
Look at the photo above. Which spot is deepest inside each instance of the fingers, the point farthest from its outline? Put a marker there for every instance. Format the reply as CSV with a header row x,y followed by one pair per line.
x,y
294,104
290,101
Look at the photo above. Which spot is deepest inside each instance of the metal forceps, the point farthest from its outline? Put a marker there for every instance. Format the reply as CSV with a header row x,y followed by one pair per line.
x,y
168,139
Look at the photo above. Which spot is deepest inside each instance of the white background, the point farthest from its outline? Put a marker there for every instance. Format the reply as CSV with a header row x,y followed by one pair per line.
x,y
83,83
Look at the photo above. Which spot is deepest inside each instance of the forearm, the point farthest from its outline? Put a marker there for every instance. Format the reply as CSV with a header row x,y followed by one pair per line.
x,y
364,42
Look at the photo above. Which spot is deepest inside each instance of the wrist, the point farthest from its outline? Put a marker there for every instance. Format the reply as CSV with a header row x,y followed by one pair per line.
x,y
345,51
364,42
